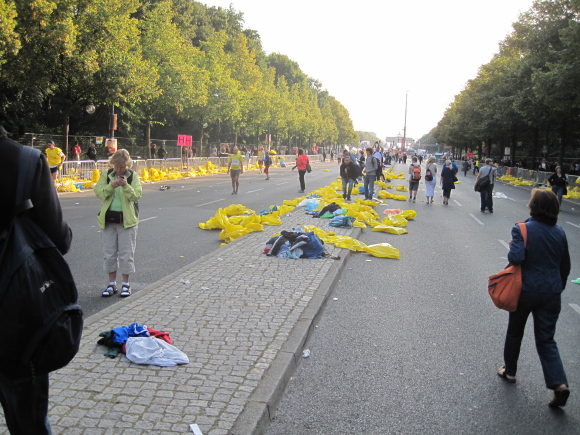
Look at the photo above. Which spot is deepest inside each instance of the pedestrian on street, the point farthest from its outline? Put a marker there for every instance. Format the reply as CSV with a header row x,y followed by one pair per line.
x,y
76,151
447,181
545,262
92,152
120,189
235,167
260,158
465,167
162,152
415,177
55,158
558,181
348,174
486,193
267,162
370,170
302,163
430,179
25,402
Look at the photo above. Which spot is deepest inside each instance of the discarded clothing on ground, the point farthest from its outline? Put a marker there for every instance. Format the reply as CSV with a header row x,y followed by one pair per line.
x,y
342,221
154,351
295,244
116,339
328,211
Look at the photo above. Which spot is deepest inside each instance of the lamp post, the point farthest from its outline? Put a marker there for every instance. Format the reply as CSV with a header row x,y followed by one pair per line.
x,y
405,126
204,125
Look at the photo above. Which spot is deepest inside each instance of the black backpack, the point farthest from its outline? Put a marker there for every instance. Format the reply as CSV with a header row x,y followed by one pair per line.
x,y
41,322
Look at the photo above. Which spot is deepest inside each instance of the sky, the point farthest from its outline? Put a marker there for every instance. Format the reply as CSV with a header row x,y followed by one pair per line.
x,y
378,57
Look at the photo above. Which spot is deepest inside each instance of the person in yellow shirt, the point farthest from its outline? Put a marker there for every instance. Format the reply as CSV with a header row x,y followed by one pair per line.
x,y
235,168
55,158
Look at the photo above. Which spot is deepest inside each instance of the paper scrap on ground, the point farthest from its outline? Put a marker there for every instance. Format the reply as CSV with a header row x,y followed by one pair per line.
x,y
195,429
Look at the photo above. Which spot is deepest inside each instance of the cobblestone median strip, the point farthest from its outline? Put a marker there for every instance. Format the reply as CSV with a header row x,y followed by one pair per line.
x,y
232,332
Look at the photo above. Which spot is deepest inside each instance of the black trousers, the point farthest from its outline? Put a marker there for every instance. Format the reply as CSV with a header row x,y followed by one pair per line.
x,y
25,405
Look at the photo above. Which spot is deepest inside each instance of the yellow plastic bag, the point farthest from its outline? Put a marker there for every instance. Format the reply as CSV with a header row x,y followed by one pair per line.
x,y
271,219
346,242
409,214
399,221
358,224
401,188
383,250
390,229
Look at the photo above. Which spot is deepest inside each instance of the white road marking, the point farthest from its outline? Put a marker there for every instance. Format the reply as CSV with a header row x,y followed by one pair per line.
x,y
504,244
457,203
252,191
574,225
575,308
475,219
280,184
148,219
211,202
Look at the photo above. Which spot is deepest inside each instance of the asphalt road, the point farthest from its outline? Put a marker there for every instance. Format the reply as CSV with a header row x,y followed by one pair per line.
x,y
169,237
412,346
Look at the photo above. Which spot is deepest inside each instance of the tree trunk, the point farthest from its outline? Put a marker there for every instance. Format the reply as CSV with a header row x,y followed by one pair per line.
x,y
536,139
66,127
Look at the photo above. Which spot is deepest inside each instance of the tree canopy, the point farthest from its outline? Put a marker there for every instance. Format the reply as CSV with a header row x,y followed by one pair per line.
x,y
164,67
527,97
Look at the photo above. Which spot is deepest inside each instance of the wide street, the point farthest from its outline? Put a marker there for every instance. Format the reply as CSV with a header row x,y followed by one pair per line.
x,y
404,346
412,346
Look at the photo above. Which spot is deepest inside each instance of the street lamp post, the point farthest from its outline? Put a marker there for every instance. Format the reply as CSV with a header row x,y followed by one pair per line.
x,y
204,125
405,126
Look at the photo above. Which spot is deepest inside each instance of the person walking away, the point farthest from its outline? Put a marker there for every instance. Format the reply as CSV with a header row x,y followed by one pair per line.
x,y
370,171
486,193
475,167
415,177
465,167
55,158
235,167
447,181
558,181
302,163
545,263
348,174
25,403
267,163
430,178
379,156
162,152
76,152
120,189
92,152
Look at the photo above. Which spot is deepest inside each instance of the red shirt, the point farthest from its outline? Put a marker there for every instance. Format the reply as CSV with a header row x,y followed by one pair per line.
x,y
302,162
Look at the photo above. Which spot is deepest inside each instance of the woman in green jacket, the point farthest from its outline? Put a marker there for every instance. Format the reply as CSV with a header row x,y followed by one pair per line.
x,y
120,189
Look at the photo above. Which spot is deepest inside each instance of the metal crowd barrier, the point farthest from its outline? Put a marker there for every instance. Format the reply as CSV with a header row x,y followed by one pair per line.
x,y
78,170
538,177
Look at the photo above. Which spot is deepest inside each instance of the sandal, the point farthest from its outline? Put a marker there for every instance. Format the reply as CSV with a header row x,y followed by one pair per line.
x,y
502,374
109,291
560,397
125,291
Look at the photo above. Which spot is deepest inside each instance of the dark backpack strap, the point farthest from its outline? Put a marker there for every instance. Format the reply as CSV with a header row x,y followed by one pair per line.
x,y
26,171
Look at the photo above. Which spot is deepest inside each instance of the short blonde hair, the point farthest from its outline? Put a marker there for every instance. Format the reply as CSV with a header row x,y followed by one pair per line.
x,y
121,157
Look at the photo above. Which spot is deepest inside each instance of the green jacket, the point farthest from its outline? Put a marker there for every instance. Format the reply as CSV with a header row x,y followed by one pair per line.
x,y
130,193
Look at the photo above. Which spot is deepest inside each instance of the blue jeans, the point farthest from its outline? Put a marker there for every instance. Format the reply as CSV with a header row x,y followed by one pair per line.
x,y
487,198
346,182
559,191
545,309
369,186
